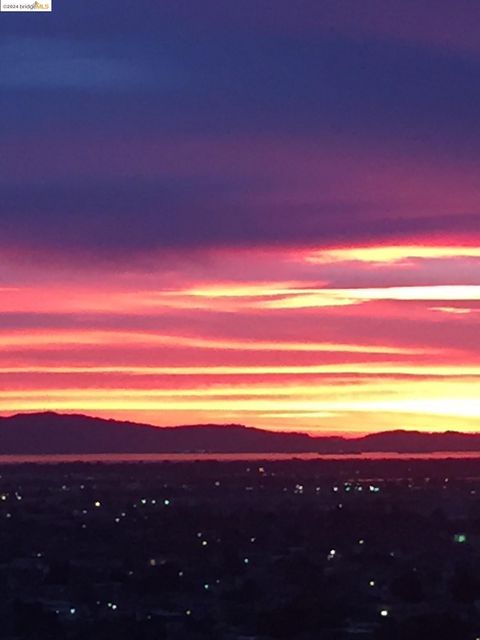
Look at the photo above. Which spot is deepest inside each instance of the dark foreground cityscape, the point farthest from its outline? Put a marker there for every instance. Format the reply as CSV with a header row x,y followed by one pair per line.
x,y
213,550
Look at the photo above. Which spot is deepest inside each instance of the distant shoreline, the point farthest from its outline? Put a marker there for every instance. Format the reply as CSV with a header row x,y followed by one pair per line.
x,y
132,458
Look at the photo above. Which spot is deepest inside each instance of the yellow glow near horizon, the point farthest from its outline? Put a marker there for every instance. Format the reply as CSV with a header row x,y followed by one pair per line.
x,y
464,408
316,389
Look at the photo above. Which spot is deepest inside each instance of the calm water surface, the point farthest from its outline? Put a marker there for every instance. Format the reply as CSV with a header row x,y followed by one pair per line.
x,y
232,457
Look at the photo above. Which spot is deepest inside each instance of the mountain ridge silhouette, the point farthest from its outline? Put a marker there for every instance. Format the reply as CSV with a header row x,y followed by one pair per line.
x,y
49,432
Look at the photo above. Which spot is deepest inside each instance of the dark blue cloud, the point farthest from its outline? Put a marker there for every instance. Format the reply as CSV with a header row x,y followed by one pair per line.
x,y
198,69
47,63
131,218
216,76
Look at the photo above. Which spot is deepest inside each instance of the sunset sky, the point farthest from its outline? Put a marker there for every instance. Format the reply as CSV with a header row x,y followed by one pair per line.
x,y
242,211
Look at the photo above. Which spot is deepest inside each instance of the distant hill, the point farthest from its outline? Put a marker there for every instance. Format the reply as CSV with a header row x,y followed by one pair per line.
x,y
53,433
